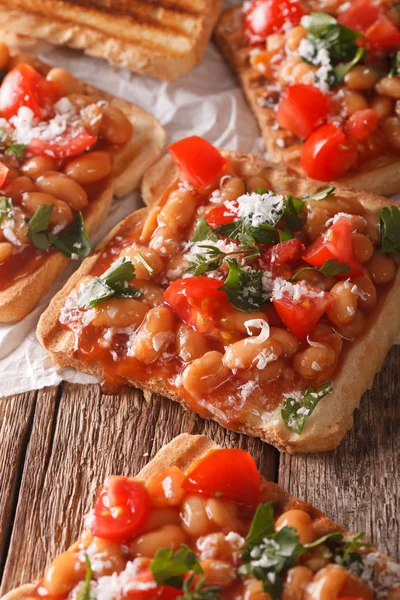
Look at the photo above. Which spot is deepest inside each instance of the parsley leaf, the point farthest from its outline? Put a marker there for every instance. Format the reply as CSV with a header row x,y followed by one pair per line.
x,y
295,413
330,268
291,214
38,225
203,232
389,218
243,231
73,240
84,592
340,71
6,208
169,568
144,262
346,552
209,259
199,591
113,282
244,287
330,191
261,525
17,149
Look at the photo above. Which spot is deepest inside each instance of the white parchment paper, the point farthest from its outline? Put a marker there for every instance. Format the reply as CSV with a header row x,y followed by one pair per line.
x,y
208,102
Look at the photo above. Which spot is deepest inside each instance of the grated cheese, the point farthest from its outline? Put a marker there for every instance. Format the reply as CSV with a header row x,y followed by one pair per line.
x,y
282,288
259,208
322,58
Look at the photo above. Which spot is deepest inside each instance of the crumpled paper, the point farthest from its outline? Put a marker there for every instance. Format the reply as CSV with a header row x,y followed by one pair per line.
x,y
208,102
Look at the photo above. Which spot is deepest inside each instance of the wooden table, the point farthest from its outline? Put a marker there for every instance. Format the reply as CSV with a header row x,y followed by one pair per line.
x,y
59,443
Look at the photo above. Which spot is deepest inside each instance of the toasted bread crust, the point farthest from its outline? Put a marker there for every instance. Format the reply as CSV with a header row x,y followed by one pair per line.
x,y
380,176
81,27
183,452
130,163
333,416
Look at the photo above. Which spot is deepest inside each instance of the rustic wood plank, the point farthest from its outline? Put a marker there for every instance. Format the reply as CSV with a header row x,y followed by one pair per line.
x,y
358,485
78,439
16,414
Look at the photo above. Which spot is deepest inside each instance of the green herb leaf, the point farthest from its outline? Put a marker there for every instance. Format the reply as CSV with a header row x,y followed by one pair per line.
x,y
113,282
17,149
203,232
244,287
389,218
296,412
84,592
144,262
169,568
348,551
317,23
209,259
341,70
38,224
199,591
262,524
243,231
330,191
3,73
73,240
329,537
6,208
394,65
291,215
330,268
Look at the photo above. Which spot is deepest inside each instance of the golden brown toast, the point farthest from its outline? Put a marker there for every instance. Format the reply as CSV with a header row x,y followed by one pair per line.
x,y
185,450
381,175
162,38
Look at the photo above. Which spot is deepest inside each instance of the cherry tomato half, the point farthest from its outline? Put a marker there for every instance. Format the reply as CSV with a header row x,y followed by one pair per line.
x,y
230,474
264,17
121,508
199,163
276,258
301,316
336,242
302,108
221,215
360,15
71,143
198,301
327,153
382,35
24,86
361,124
4,171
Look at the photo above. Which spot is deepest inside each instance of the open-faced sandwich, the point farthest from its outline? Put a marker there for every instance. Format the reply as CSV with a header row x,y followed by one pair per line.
x,y
247,293
323,79
197,523
162,38
65,149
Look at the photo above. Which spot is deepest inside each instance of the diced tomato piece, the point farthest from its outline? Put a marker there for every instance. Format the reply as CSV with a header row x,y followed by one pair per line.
x,y
160,592
360,15
276,258
302,108
301,316
336,242
361,124
4,171
327,153
221,215
264,17
71,143
199,163
198,301
230,474
24,86
121,508
382,35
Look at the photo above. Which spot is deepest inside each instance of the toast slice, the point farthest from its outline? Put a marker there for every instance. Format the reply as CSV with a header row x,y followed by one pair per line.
x,y
380,175
130,162
333,416
160,38
186,450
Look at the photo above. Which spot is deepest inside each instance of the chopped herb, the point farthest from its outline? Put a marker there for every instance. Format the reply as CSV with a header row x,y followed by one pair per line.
x,y
330,268
17,149
329,537
346,552
169,568
144,262
340,71
6,208
203,232
3,73
73,240
243,231
395,65
321,195
209,259
113,282
84,592
199,591
262,524
38,225
389,218
244,287
295,413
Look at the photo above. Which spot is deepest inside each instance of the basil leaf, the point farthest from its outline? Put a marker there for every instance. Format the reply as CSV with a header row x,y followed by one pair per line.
x,y
169,568
341,70
244,288
389,218
295,413
38,224
17,149
330,191
203,232
262,524
6,208
330,268
84,592
73,240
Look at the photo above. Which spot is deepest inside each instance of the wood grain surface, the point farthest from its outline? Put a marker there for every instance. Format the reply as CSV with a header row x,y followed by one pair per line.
x,y
56,446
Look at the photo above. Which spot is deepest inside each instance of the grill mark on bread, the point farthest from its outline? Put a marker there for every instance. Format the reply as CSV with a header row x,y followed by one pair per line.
x,y
127,7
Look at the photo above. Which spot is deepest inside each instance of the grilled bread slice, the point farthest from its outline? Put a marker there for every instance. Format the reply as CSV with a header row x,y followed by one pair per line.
x,y
130,162
380,175
161,38
185,450
333,416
